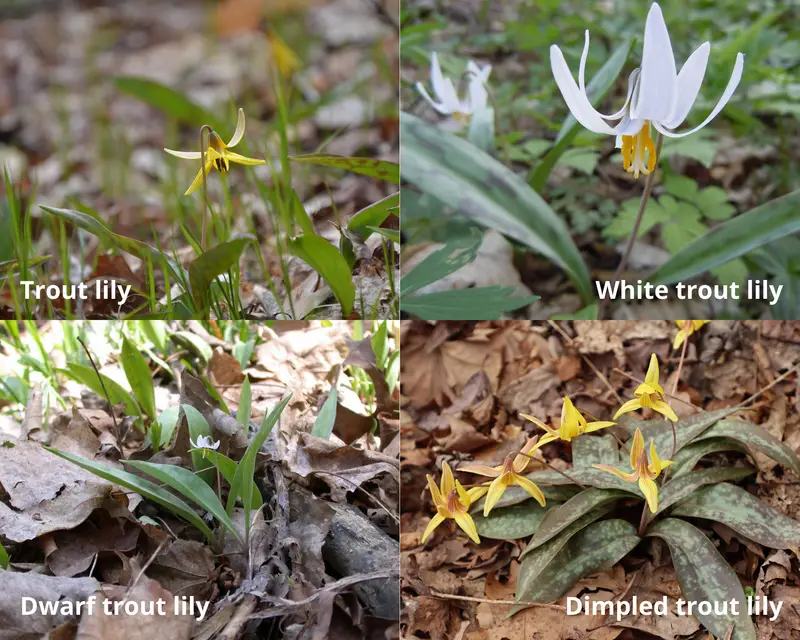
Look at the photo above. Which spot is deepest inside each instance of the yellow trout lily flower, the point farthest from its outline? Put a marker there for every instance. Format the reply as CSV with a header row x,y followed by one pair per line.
x,y
452,500
649,394
573,424
218,155
643,470
507,475
285,59
687,328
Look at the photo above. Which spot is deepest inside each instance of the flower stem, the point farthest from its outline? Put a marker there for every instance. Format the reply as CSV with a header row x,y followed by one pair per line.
x,y
643,521
648,188
203,129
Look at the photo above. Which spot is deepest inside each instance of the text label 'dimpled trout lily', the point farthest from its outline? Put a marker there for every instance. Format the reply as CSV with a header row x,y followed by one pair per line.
x,y
218,155
657,94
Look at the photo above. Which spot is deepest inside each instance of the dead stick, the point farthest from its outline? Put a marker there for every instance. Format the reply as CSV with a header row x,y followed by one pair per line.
x,y
449,596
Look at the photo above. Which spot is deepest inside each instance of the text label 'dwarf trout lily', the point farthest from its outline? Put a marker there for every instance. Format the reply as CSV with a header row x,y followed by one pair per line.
x,y
643,470
218,155
447,101
657,94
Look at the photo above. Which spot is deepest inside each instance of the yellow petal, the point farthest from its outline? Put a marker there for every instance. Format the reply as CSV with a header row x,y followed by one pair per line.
x,y
680,323
657,465
463,495
595,426
664,409
539,424
650,490
435,522
545,439
465,521
447,483
627,477
186,155
237,135
679,338
531,488
652,372
521,461
630,405
637,448
496,490
476,493
482,470
198,180
438,500
235,157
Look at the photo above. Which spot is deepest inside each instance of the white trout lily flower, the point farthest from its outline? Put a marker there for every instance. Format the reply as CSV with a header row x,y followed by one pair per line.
x,y
204,443
657,94
447,101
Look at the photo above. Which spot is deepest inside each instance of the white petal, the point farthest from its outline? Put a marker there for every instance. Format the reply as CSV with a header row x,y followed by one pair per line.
x,y
237,135
689,81
186,155
628,127
736,76
576,100
582,84
478,96
657,93
439,107
443,87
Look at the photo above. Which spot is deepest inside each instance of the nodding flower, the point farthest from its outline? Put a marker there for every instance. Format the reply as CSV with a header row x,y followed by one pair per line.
x,y
447,101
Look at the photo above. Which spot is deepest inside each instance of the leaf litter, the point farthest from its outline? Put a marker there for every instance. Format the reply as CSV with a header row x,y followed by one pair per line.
x,y
324,546
464,386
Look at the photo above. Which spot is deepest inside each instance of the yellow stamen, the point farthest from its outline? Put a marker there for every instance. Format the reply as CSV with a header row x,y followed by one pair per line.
x,y
460,117
633,152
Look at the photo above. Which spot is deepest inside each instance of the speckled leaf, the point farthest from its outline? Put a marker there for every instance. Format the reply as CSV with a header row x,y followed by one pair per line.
x,y
704,575
559,518
595,449
587,476
481,188
511,523
742,512
598,546
686,430
516,495
689,456
754,436
676,489
551,547
380,169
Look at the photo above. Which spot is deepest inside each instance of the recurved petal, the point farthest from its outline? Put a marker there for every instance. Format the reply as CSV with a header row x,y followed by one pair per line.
x,y
439,107
630,405
476,493
627,477
651,378
637,448
736,76
650,490
186,155
482,470
595,426
478,95
521,461
198,179
657,465
679,338
531,488
496,490
237,135
664,409
448,482
582,81
463,495
438,500
538,423
576,100
235,157
655,99
689,81
435,522
465,521
443,87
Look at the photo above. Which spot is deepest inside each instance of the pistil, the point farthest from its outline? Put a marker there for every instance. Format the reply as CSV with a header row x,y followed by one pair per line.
x,y
633,152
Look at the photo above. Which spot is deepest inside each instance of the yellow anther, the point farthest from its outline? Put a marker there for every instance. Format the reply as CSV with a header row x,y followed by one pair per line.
x,y
633,152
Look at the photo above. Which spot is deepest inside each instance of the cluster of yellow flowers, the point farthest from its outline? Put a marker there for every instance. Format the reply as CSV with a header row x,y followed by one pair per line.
x,y
452,500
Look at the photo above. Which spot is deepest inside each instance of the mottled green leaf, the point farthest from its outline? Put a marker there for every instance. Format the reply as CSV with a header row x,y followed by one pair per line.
x,y
511,523
676,489
205,268
689,456
481,129
592,449
599,546
381,169
742,512
374,214
457,252
3,557
704,575
560,517
481,303
516,495
588,477
482,189
751,435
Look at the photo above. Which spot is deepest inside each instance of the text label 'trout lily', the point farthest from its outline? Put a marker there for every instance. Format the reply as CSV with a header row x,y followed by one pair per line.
x,y
657,94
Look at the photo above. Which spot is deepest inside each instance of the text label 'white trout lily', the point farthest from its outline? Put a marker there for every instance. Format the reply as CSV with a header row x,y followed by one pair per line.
x,y
657,94
447,101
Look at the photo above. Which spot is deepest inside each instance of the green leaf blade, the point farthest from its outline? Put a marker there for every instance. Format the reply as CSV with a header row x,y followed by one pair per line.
x,y
323,257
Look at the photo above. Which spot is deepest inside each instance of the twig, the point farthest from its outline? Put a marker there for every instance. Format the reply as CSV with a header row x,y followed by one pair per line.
x,y
783,376
544,605
103,386
566,336
648,188
240,616
360,488
146,565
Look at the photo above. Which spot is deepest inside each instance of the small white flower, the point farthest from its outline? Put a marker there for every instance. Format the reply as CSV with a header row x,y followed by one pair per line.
x,y
657,94
449,104
204,442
